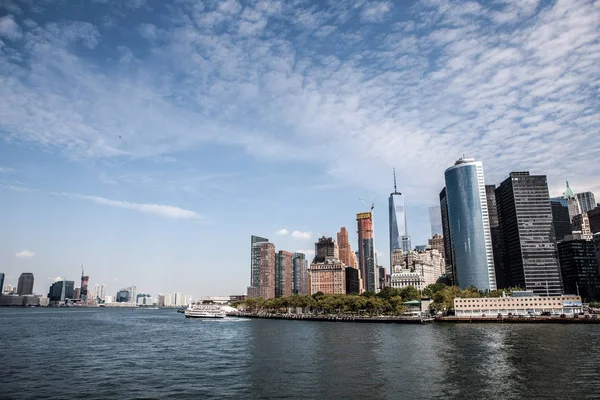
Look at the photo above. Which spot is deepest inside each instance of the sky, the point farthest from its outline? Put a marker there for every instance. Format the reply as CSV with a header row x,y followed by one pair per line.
x,y
147,140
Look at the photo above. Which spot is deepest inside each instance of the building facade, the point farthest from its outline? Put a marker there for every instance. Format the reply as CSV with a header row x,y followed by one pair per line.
x,y
587,201
471,241
284,285
437,243
594,218
326,248
529,249
84,286
497,246
263,267
300,273
61,291
435,220
418,269
492,306
397,218
560,218
328,277
579,266
346,253
1,283
572,202
25,285
366,252
581,223
448,255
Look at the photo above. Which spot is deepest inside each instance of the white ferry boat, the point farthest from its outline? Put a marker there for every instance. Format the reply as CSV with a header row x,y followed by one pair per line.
x,y
205,311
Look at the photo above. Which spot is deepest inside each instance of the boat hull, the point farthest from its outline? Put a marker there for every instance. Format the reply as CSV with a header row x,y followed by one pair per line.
x,y
204,316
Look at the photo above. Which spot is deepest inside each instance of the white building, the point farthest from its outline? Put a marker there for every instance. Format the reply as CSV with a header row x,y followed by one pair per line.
x,y
418,269
517,305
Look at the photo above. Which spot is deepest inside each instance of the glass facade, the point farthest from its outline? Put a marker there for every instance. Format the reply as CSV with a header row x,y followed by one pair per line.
x,y
469,225
397,221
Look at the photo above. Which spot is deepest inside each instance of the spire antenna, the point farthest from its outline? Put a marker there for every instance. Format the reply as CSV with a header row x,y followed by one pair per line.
x,y
395,180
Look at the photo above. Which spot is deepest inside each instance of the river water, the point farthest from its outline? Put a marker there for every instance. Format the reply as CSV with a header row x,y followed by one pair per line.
x,y
126,353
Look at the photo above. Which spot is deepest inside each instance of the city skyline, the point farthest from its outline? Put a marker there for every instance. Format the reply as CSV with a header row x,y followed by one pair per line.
x,y
148,143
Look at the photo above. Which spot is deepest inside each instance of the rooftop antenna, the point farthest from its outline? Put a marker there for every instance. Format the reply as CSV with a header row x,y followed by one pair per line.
x,y
395,191
82,270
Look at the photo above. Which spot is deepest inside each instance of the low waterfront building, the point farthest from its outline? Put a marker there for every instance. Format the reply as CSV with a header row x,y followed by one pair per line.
x,y
15,300
517,305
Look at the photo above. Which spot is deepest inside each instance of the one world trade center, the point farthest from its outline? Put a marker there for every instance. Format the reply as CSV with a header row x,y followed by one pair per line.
x,y
399,238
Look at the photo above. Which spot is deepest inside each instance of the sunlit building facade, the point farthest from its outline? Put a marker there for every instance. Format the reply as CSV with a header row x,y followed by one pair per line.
x,y
471,241
366,252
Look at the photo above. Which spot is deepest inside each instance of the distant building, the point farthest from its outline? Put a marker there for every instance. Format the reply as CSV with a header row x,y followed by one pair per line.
x,y
123,296
25,286
421,247
581,223
77,293
586,201
161,300
596,240
435,220
300,273
448,254
572,202
61,291
470,234
437,243
594,218
262,267
352,280
529,249
417,269
84,286
283,274
328,277
561,221
1,283
397,219
397,258
579,266
325,248
252,292
346,255
9,289
366,252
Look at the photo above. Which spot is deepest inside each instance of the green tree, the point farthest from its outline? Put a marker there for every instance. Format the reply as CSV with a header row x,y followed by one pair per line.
x,y
409,293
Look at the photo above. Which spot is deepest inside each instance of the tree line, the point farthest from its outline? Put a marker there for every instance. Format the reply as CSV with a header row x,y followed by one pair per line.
x,y
389,301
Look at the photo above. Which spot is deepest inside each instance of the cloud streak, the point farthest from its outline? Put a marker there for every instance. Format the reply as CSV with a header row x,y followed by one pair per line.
x,y
301,235
282,232
156,209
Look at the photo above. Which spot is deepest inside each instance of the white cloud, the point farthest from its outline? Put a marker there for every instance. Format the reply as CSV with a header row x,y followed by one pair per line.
x,y
24,254
375,11
300,235
453,78
282,232
5,170
9,28
156,209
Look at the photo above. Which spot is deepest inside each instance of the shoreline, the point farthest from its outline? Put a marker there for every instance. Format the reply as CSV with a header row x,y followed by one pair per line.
x,y
415,321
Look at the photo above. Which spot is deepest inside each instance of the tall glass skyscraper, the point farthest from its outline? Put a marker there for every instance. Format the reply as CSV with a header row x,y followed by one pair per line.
x,y
587,201
471,239
399,238
25,286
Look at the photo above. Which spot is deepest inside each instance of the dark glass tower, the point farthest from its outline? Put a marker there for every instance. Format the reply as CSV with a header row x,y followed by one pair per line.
x,y
529,250
449,259
25,286
496,234
579,268
560,218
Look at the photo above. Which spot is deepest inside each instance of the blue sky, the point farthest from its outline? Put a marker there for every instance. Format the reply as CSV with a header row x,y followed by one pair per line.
x,y
148,140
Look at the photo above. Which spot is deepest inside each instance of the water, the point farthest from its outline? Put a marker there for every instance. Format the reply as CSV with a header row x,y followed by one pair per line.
x,y
112,353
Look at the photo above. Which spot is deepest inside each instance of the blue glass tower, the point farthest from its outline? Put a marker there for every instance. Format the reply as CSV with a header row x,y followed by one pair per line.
x,y
471,240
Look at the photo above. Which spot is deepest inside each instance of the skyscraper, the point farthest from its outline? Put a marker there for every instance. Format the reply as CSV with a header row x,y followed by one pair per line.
x,y
581,223
300,273
84,285
560,218
347,256
594,218
366,252
435,220
471,241
1,283
326,248
283,274
586,201
262,267
25,285
579,266
572,202
448,254
529,249
490,195
397,220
